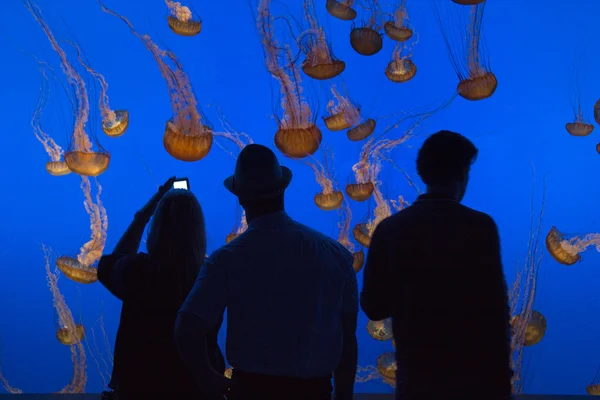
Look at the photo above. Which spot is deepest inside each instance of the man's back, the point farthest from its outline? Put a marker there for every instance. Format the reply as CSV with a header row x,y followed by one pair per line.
x,y
286,288
438,263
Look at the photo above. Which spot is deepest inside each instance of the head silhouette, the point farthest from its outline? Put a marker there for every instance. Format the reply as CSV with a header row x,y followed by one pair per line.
x,y
444,162
259,181
177,240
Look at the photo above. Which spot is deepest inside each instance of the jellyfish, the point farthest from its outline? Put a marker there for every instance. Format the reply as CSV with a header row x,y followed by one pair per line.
x,y
188,136
56,166
380,330
401,69
593,389
114,122
597,112
528,325
477,81
344,236
330,198
363,232
341,9
580,127
297,136
366,39
180,21
567,251
386,365
66,320
238,230
341,112
399,28
81,269
320,63
81,158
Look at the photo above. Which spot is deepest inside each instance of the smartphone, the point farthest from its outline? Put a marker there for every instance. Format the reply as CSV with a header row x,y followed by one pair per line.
x,y
182,183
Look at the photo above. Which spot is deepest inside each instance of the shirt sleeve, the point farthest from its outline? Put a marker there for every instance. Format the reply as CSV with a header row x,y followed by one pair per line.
x,y
123,275
350,293
208,298
374,299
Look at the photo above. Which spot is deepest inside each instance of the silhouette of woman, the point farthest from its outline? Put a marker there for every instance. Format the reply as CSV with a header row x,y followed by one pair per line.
x,y
152,287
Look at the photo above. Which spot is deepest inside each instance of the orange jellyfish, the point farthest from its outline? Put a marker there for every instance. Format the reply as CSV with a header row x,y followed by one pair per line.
x,y
81,269
597,112
386,365
593,389
341,9
180,21
78,356
401,69
330,198
364,231
114,122
580,127
297,136
528,325
380,330
341,112
566,251
56,166
239,229
187,136
399,28
477,81
367,40
344,236
320,63
81,158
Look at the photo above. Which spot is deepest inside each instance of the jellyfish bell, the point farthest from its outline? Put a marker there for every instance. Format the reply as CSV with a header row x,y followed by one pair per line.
x,y
340,10
189,146
325,70
337,122
400,71
57,168
380,330
579,128
358,260
87,163
478,87
180,21
330,201
362,130
67,337
366,41
361,234
115,127
554,241
76,271
593,390
598,148
386,365
360,191
597,112
535,328
397,33
298,142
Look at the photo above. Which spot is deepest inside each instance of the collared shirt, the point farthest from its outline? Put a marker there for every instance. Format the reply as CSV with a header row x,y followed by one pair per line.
x,y
285,287
435,268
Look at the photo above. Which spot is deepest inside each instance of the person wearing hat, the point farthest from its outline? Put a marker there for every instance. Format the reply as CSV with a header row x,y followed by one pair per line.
x,y
291,296
435,269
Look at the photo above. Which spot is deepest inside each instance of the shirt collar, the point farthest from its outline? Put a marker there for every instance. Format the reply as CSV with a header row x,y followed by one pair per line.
x,y
269,220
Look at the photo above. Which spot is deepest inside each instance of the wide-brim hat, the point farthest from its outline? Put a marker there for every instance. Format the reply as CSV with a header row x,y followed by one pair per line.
x,y
258,174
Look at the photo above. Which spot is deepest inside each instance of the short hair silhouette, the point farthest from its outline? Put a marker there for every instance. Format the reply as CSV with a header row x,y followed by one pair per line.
x,y
445,157
177,240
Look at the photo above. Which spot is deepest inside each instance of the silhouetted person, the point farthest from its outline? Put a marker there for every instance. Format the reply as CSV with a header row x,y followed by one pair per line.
x,y
291,297
152,287
435,268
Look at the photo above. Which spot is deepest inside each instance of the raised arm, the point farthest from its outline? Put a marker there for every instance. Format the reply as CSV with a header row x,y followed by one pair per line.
x,y
375,296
